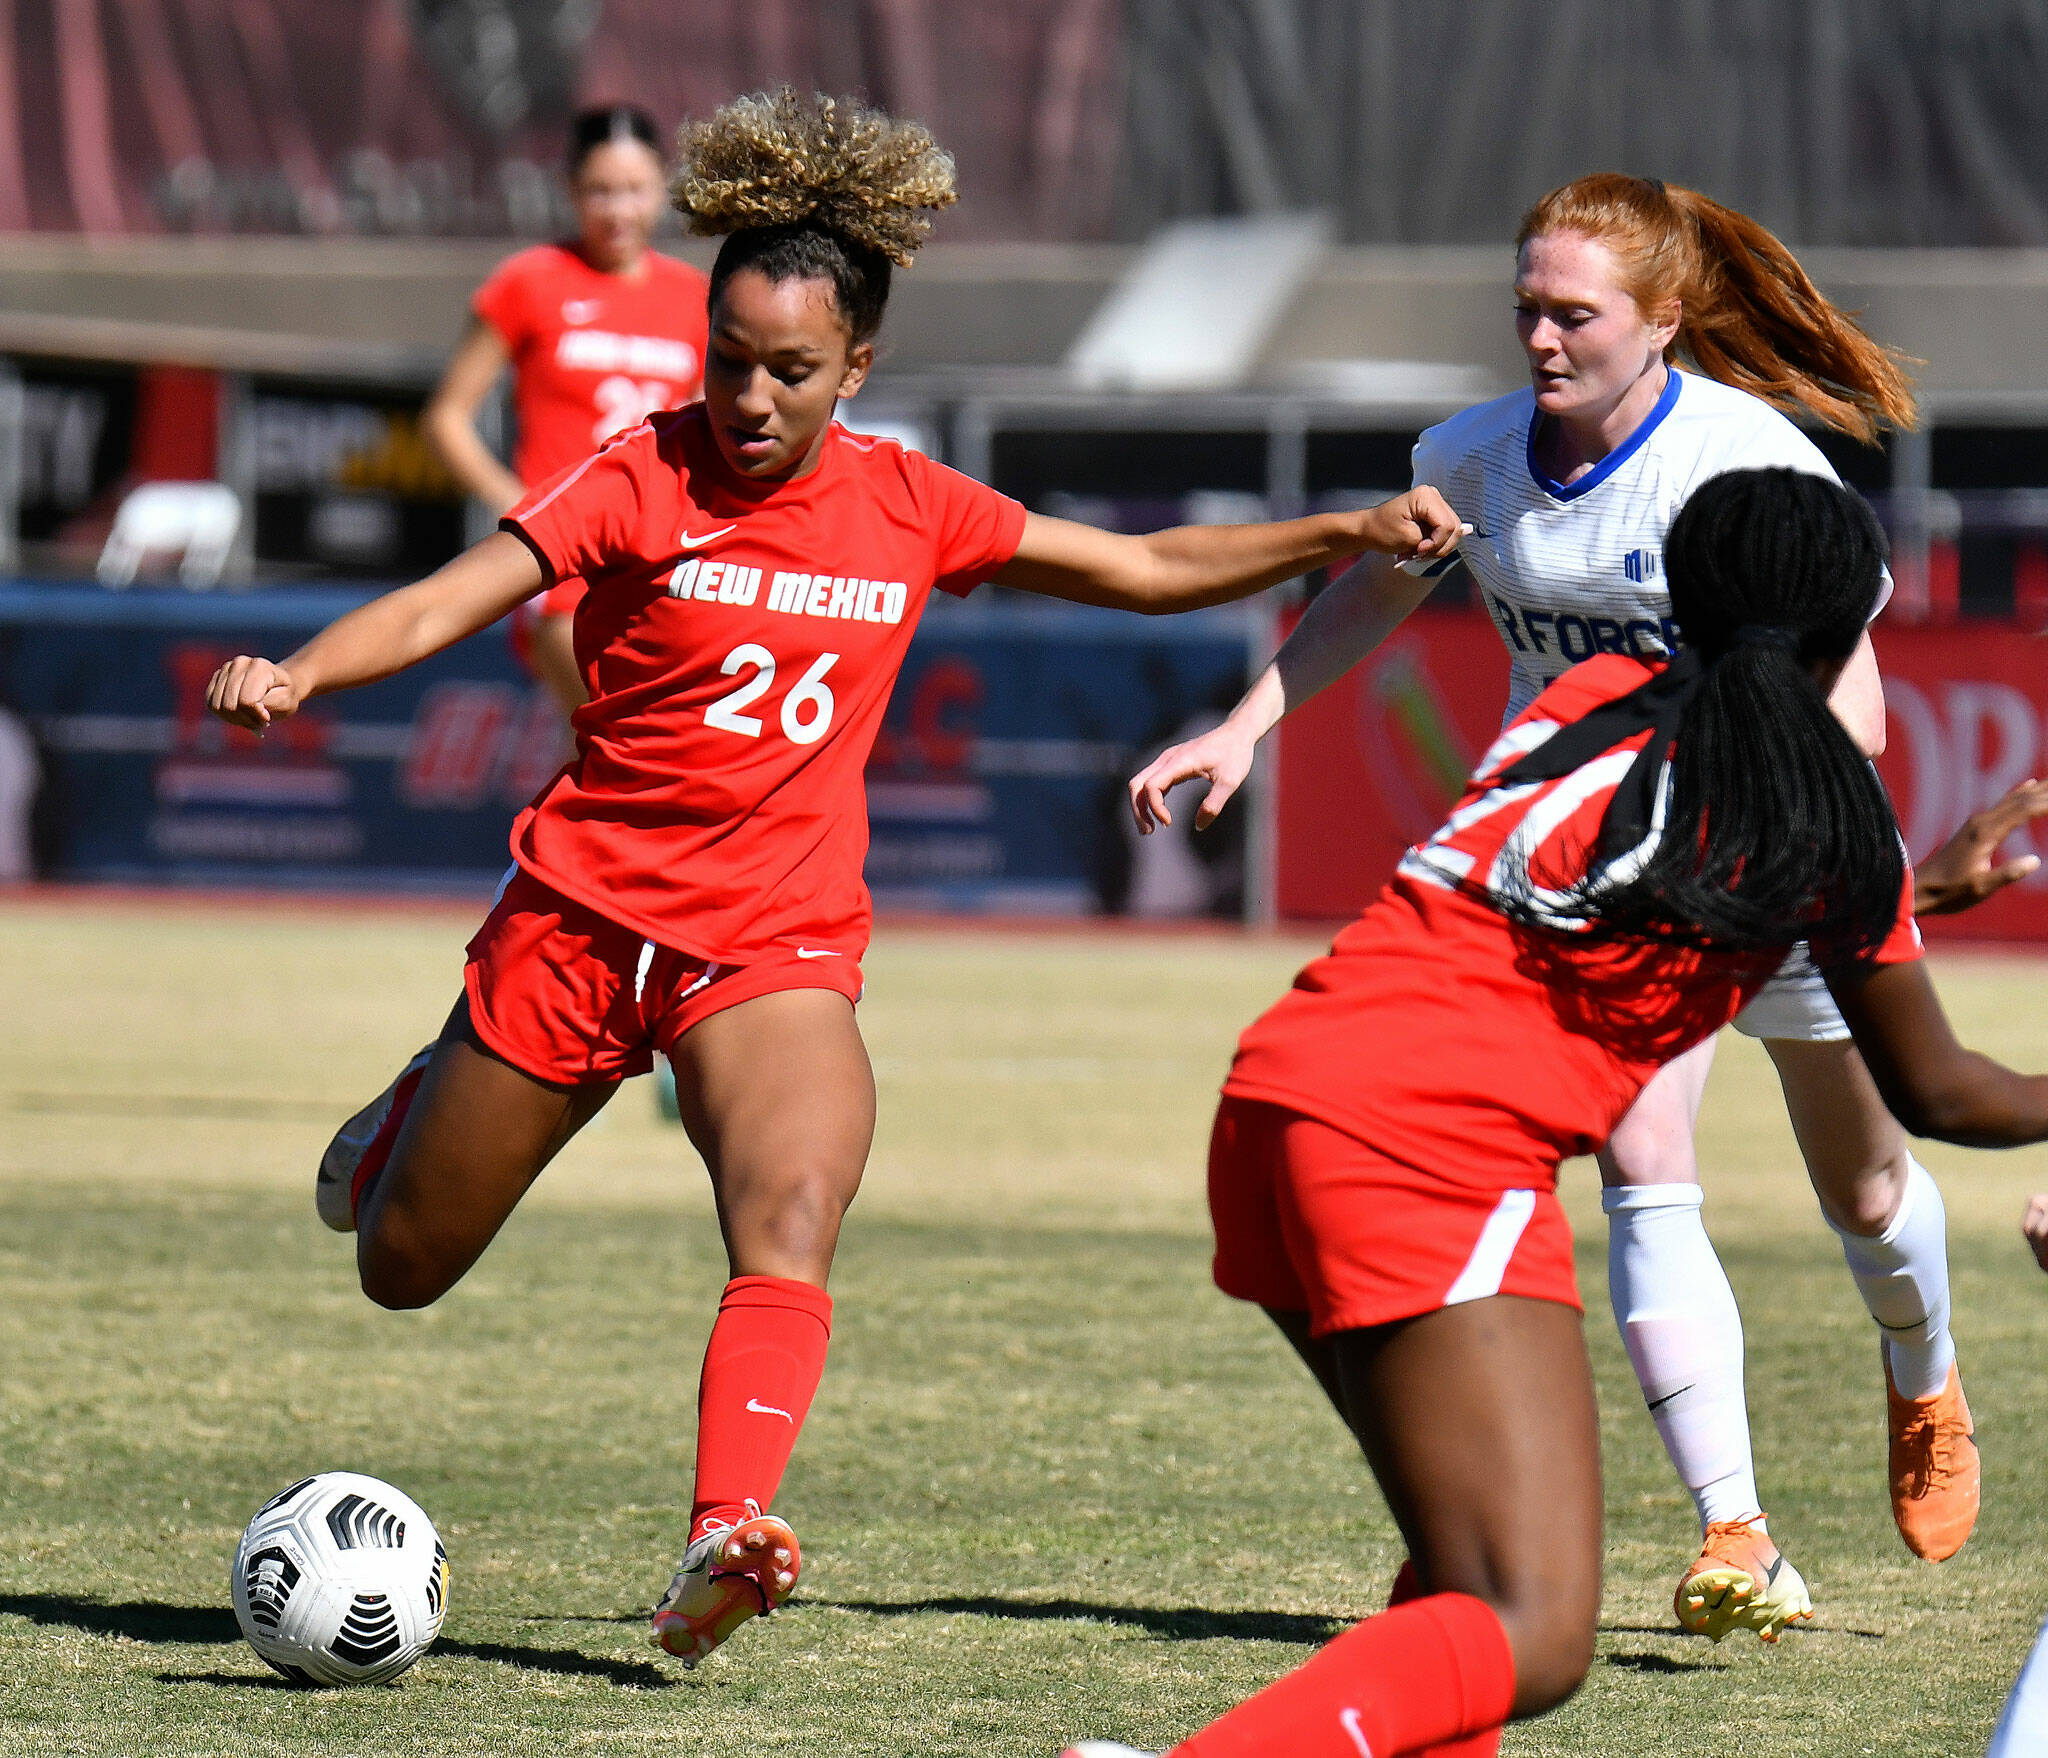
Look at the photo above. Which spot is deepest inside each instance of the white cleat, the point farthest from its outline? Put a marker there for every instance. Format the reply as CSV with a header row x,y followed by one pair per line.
x,y
334,1187
1105,1749
729,1575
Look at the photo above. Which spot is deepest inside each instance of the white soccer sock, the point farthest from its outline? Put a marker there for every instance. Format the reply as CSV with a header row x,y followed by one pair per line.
x,y
1678,1322
1902,1275
2023,1729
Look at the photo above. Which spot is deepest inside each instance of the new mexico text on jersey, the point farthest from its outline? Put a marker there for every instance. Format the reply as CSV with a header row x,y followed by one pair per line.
x,y
740,641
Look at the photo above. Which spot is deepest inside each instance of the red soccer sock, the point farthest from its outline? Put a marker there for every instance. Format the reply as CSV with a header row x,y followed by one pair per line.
x,y
761,1370
1412,1680
378,1154
1407,1586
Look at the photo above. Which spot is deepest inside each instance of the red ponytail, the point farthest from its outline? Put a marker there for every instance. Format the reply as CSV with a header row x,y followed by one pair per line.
x,y
1749,315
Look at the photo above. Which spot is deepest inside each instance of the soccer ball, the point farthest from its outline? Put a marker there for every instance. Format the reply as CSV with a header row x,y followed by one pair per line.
x,y
340,1580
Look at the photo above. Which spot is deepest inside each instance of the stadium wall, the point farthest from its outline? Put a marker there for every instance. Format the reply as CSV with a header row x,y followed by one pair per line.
x,y
996,784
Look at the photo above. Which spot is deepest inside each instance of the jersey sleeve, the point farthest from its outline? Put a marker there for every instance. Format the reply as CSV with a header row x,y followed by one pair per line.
x,y
582,520
501,302
975,530
1903,944
1429,468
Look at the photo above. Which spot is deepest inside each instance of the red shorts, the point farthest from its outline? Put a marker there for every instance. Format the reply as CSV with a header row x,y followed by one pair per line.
x,y
568,996
1311,1219
558,600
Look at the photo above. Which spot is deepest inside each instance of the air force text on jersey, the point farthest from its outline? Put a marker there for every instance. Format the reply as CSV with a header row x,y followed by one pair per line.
x,y
1570,570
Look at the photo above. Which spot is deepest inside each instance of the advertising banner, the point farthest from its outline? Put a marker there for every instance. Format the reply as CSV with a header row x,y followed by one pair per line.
x,y
1375,762
997,782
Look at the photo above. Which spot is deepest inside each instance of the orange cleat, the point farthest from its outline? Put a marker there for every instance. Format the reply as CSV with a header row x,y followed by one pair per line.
x,y
729,1575
1740,1582
1935,1473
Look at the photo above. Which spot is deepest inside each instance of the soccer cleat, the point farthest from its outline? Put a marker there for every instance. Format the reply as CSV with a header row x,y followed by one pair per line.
x,y
1935,1473
334,1187
730,1574
1104,1749
1740,1582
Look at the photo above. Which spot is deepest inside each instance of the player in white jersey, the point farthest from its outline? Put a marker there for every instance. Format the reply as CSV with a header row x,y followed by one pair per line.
x,y
1569,488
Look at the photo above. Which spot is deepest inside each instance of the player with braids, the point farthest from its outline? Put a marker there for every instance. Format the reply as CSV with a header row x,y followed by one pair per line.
x,y
1625,871
1665,335
690,884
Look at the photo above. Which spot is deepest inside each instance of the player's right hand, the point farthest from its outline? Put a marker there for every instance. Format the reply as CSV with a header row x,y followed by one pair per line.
x,y
1222,757
252,693
1960,874
2035,1226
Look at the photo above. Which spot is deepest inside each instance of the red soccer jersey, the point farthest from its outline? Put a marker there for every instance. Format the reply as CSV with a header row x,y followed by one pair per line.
x,y
1450,1039
592,354
740,641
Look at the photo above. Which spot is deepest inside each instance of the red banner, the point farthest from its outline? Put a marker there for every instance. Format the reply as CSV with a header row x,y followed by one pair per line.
x,y
1375,762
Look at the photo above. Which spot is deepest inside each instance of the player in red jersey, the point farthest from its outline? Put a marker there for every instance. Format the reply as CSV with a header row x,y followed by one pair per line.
x,y
598,332
691,883
1623,873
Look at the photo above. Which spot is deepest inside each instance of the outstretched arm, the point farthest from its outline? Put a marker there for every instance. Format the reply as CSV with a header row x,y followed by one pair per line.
x,y
1195,565
1351,617
1931,1083
384,636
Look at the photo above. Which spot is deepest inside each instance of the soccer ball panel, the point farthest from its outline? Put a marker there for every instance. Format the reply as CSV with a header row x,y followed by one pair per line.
x,y
340,1579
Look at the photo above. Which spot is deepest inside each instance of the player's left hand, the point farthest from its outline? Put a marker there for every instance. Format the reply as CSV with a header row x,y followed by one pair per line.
x,y
1959,875
2035,1227
1418,525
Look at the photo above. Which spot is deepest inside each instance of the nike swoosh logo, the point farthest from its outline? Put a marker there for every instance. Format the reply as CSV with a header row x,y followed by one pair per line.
x,y
1350,1720
760,1409
816,952
1657,1404
686,541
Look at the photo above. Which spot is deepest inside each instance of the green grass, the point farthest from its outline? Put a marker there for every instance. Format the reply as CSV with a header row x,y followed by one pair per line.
x,y
1054,1485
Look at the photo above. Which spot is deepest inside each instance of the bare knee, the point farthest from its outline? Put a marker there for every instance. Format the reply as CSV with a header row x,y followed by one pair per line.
x,y
1863,1200
397,1278
789,1228
1552,1652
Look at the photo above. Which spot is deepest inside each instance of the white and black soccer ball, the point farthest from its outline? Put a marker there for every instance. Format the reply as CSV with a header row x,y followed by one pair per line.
x,y
340,1580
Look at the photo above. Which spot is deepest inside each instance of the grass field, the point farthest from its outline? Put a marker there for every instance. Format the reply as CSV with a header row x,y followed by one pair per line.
x,y
1054,1484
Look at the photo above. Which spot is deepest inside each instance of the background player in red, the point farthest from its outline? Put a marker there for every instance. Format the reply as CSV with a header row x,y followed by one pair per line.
x,y
1623,873
691,883
598,331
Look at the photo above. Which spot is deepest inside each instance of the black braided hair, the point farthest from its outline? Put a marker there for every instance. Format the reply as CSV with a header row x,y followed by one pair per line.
x,y
1776,827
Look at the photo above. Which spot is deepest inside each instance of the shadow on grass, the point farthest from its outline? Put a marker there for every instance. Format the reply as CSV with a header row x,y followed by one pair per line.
x,y
207,1625
1657,1663
1173,1624
1802,1632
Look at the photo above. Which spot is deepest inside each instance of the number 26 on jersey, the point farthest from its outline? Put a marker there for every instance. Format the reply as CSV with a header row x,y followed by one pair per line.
x,y
806,710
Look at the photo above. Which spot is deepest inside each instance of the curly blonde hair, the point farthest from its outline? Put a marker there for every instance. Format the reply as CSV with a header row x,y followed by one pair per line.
x,y
773,161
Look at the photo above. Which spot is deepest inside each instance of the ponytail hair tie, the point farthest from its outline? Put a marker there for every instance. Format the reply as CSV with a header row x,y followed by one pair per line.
x,y
1765,635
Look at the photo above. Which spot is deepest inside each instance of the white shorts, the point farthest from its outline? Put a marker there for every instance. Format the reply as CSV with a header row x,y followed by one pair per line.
x,y
1794,1004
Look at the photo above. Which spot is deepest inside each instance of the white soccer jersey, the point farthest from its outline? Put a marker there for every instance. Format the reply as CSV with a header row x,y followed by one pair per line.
x,y
1570,571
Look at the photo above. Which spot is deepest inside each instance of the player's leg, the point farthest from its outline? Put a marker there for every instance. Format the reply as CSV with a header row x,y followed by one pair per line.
x,y
1479,1423
1679,1323
463,1150
1888,1213
778,1097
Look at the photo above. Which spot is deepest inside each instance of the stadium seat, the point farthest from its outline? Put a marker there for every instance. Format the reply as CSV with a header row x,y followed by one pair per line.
x,y
195,521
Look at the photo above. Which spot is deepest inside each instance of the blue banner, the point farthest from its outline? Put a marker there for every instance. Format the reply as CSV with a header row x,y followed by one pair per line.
x,y
997,783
